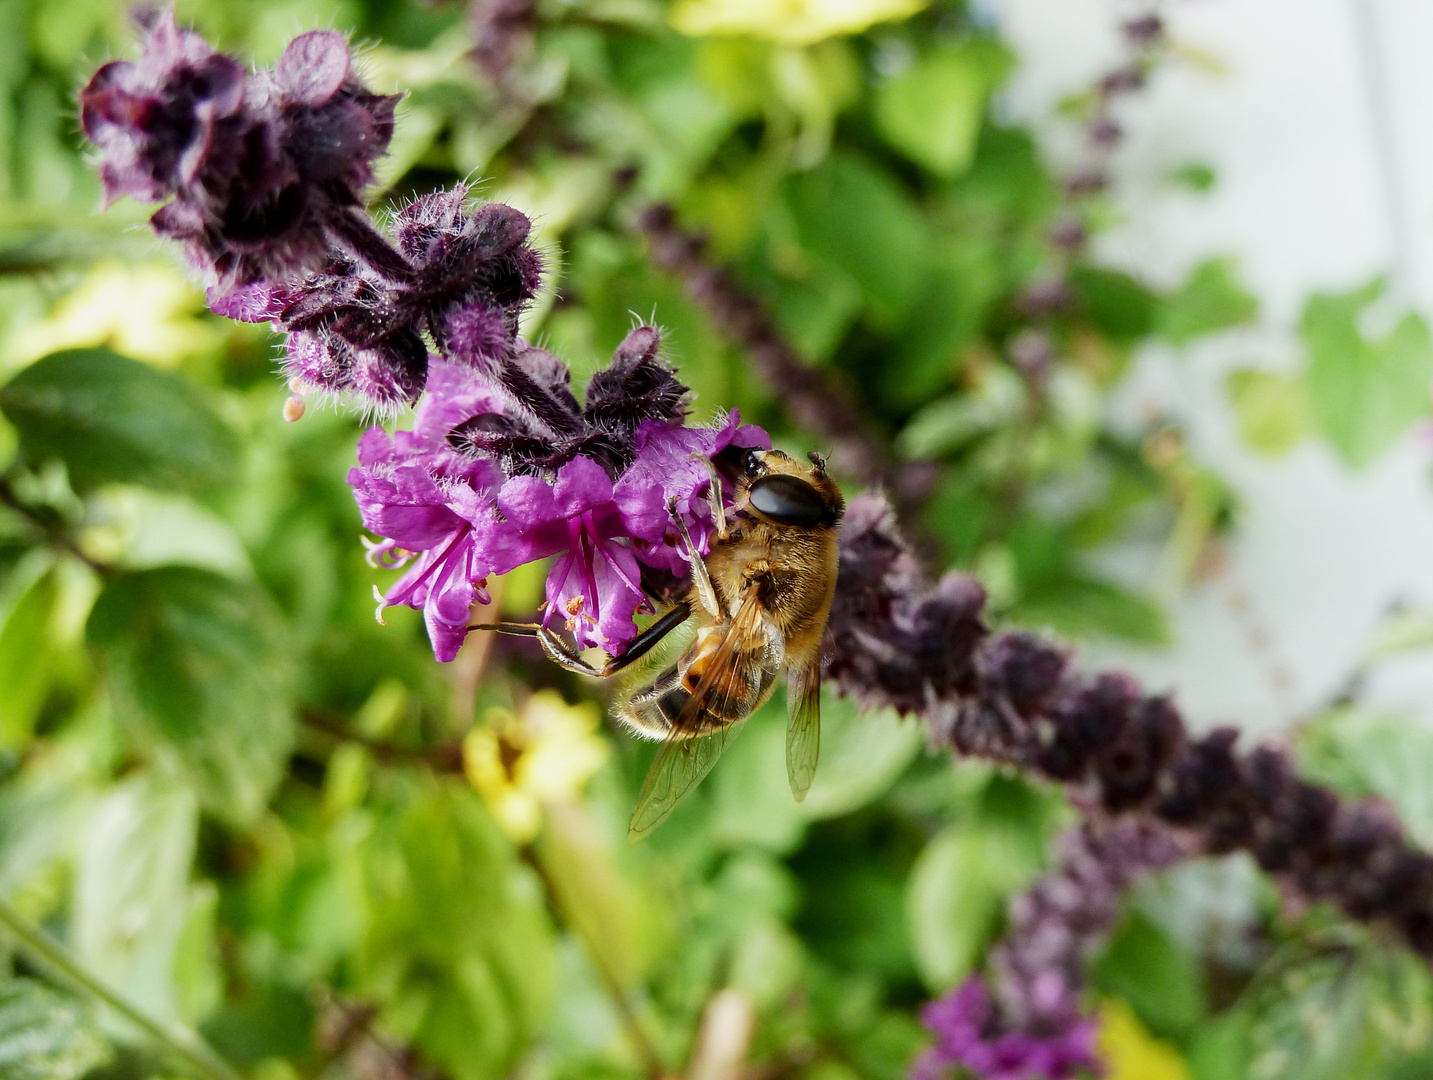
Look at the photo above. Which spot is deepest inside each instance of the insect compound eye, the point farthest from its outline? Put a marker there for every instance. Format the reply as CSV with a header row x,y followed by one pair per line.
x,y
753,464
787,500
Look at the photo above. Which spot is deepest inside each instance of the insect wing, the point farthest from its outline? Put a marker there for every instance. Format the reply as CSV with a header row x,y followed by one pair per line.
x,y
803,727
727,671
683,762
680,766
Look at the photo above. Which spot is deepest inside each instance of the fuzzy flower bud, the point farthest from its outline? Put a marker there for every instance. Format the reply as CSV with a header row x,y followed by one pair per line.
x,y
264,169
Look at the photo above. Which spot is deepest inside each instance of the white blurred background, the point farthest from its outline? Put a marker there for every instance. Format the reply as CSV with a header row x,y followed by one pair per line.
x,y
1320,131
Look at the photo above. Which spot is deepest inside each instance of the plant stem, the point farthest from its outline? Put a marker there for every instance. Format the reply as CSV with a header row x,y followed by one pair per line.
x,y
181,1041
651,1059
52,530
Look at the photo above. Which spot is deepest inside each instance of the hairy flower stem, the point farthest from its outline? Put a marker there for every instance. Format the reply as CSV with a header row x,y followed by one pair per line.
x,y
353,233
810,398
898,640
184,1043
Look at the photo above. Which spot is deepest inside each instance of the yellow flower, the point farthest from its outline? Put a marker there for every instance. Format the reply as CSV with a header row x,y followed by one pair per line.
x,y
543,755
791,22
1131,1052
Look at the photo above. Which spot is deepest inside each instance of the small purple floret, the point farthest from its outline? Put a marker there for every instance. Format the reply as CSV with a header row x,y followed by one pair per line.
x,y
969,1037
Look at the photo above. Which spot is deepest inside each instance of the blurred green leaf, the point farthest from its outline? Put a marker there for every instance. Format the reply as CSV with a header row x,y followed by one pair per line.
x,y
932,111
1196,176
198,975
1333,1014
1271,408
791,24
1221,1048
1364,392
1365,753
26,652
854,216
949,423
956,895
597,901
201,668
1210,299
131,896
1117,303
862,754
1401,631
1154,974
46,1035
469,989
114,420
1084,607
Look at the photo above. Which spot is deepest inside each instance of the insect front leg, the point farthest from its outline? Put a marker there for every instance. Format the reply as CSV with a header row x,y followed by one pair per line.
x,y
700,577
714,494
563,654
557,650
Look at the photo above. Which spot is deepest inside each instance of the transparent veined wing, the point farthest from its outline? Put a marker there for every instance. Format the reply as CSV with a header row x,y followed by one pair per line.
x,y
685,759
680,766
803,727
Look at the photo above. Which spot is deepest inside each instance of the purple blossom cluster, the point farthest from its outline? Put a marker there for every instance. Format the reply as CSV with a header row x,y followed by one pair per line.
x,y
971,1037
264,173
896,639
1036,1026
480,486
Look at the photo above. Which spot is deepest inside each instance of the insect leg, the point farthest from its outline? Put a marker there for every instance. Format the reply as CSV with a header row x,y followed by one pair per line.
x,y
648,638
558,651
700,577
562,653
718,507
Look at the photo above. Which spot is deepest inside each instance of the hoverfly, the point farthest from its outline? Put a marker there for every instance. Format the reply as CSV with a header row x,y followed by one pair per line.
x,y
760,600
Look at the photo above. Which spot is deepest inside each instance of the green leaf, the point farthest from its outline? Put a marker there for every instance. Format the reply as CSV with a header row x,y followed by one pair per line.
x,y
1210,299
131,896
1364,391
1334,1014
1365,753
956,895
1271,409
1116,302
855,217
862,754
932,110
111,419
1147,968
26,652
46,1035
200,668
1083,607
457,945
1401,631
951,422
1196,176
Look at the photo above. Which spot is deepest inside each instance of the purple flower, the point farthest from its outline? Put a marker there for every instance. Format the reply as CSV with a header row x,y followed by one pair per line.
x,y
968,1035
462,275
595,586
669,459
431,504
543,427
